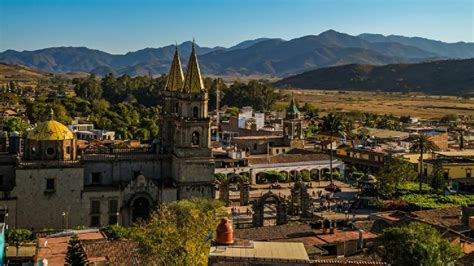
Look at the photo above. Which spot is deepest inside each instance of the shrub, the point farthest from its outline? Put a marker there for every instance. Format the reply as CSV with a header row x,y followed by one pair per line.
x,y
357,175
434,201
335,175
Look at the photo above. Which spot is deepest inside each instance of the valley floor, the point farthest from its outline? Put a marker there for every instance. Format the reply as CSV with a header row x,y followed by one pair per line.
x,y
415,105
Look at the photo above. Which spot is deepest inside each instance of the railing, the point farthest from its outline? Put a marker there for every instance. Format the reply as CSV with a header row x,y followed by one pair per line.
x,y
117,157
49,164
105,150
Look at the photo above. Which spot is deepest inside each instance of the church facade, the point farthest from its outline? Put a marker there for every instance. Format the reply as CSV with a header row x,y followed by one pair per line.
x,y
50,185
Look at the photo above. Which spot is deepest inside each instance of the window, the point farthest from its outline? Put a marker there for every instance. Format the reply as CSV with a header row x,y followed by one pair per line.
x,y
68,149
277,151
1,180
195,138
96,177
176,107
95,207
95,221
446,174
113,206
195,112
255,146
468,172
50,186
50,151
425,171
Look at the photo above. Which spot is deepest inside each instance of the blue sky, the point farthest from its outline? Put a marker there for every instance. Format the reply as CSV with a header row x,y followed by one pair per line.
x,y
119,26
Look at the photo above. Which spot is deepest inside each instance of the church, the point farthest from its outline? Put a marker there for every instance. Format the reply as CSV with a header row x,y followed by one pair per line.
x,y
47,183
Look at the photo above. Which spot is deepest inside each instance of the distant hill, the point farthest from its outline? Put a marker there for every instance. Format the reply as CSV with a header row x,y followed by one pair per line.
x,y
259,57
26,76
448,77
21,75
459,50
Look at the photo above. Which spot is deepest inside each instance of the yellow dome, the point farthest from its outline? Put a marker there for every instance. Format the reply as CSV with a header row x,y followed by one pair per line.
x,y
50,130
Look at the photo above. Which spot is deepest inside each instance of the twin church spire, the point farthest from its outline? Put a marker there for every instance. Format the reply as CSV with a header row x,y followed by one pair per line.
x,y
193,80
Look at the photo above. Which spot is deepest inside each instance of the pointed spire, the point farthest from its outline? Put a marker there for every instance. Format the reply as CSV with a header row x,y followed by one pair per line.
x,y
293,107
175,77
193,80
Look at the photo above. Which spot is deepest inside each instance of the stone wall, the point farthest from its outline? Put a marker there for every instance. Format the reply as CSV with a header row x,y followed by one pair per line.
x,y
123,170
38,208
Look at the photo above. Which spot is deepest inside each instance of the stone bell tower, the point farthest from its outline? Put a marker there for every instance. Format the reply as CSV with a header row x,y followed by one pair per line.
x,y
193,164
169,112
292,126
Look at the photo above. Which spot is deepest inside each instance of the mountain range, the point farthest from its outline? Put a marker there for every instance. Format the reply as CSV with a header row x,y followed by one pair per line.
x,y
446,77
263,56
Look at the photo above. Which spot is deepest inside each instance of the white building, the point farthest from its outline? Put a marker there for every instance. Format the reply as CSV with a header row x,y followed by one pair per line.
x,y
246,113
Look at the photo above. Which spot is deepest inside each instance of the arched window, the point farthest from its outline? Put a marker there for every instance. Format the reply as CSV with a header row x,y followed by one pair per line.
x,y
176,108
195,112
195,138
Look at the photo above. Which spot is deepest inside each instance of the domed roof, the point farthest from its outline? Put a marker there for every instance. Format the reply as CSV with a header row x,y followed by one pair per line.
x,y
50,130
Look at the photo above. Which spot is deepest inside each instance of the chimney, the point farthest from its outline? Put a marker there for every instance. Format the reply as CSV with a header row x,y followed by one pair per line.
x,y
225,234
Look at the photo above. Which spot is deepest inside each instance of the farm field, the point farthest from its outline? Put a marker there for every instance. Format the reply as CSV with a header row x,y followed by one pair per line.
x,y
398,104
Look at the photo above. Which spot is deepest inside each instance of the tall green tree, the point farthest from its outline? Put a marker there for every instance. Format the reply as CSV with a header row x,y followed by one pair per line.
x,y
437,180
18,237
393,174
417,244
75,255
422,144
331,123
176,233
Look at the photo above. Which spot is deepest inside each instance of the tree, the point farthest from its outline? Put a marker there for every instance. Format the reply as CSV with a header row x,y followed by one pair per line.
x,y
18,237
274,176
177,233
75,255
422,144
448,118
256,93
417,244
115,231
331,123
438,182
393,174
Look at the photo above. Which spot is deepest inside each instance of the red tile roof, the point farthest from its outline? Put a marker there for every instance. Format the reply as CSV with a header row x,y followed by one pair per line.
x,y
54,249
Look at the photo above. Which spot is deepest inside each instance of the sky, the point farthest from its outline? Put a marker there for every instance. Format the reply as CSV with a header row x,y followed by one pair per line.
x,y
120,26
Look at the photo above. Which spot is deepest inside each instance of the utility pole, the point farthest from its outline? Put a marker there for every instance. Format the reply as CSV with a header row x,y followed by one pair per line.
x,y
217,108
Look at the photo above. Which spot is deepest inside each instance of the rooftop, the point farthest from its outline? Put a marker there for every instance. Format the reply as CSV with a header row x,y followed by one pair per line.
x,y
54,247
258,137
381,133
288,158
117,252
299,233
264,251
463,153
50,130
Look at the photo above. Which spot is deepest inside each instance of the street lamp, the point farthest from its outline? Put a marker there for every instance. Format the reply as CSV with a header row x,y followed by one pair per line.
x,y
65,220
6,220
117,213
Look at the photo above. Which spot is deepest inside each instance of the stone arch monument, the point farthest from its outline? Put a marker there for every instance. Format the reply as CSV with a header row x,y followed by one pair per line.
x,y
259,208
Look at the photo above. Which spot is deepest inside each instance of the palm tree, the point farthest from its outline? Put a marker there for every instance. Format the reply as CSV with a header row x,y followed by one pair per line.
x,y
422,144
331,123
